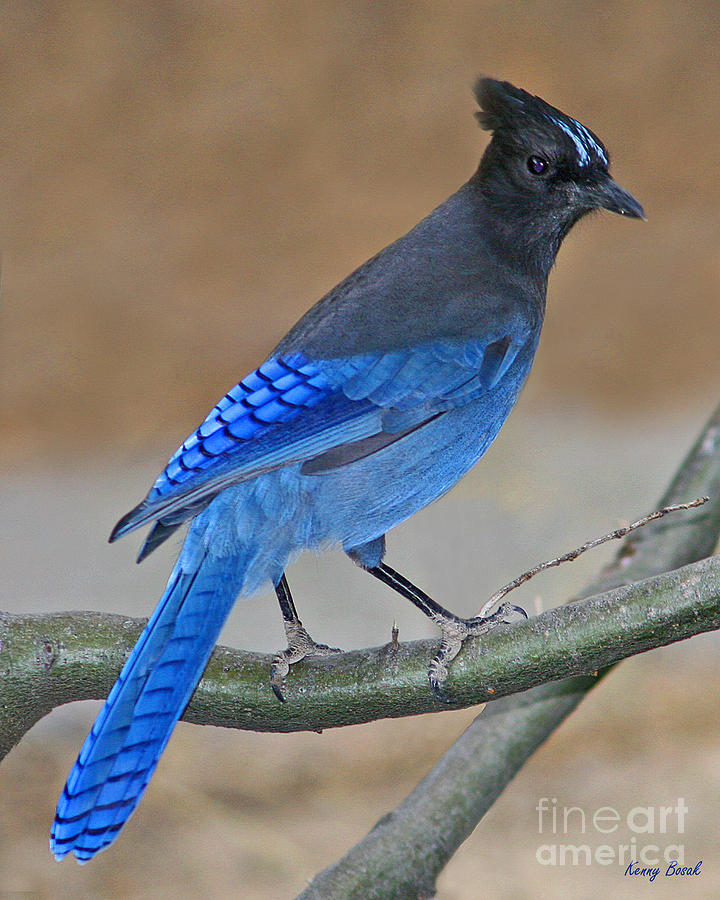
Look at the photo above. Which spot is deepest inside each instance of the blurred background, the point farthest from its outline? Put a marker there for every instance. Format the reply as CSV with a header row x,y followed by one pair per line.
x,y
180,181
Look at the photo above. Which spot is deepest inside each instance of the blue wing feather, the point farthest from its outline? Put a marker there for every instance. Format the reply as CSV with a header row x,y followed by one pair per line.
x,y
292,409
271,395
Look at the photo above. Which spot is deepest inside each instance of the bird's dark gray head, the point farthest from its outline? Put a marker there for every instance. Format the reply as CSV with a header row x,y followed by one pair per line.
x,y
542,168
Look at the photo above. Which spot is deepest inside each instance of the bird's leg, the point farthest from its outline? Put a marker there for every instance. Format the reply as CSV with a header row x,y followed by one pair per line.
x,y
300,644
455,630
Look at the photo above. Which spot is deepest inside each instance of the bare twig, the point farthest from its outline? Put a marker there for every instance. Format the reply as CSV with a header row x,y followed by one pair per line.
x,y
588,545
394,635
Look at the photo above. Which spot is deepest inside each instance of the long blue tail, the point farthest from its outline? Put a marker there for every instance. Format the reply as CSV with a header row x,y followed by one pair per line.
x,y
119,755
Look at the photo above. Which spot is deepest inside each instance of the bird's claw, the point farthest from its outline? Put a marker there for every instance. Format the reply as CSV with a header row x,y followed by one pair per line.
x,y
300,645
454,634
511,614
437,676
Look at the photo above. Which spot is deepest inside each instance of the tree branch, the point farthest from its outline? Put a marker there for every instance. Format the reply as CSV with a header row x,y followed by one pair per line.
x,y
54,659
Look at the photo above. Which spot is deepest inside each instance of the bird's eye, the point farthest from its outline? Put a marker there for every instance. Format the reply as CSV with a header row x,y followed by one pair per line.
x,y
537,165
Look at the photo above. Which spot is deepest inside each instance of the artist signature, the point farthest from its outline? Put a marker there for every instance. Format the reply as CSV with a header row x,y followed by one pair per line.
x,y
652,872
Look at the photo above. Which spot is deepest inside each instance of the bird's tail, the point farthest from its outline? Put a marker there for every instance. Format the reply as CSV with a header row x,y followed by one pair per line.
x,y
120,753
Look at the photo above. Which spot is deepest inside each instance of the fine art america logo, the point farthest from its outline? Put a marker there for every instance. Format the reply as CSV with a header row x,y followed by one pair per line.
x,y
646,840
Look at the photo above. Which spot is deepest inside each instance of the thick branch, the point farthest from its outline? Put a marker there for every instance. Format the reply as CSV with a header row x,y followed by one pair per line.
x,y
55,659
409,847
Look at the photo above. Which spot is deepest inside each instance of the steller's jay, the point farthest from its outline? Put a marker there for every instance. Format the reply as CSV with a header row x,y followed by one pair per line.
x,y
380,398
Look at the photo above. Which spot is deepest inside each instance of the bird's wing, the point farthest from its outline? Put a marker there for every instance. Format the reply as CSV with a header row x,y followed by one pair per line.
x,y
412,384
294,409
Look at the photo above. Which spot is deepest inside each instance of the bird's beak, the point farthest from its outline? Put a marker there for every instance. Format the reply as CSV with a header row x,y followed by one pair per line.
x,y
609,195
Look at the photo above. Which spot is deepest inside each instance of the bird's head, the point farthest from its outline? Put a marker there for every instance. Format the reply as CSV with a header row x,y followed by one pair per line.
x,y
543,168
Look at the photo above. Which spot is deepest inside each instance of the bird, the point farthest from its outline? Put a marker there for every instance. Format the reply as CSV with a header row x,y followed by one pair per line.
x,y
381,397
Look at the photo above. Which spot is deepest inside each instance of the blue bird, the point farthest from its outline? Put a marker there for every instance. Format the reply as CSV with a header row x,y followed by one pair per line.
x,y
377,401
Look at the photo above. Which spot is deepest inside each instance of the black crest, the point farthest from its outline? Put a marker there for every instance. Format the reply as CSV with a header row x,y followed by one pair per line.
x,y
502,105
506,109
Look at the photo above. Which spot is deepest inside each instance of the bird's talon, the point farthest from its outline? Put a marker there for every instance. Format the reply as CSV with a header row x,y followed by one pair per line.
x,y
440,694
280,668
278,692
510,614
324,650
437,676
454,634
437,680
300,646
505,614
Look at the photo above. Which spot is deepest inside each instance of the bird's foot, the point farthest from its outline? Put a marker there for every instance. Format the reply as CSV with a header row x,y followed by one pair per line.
x,y
455,631
300,645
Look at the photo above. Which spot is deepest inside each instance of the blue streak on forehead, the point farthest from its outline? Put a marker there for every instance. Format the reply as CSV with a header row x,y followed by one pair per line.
x,y
584,142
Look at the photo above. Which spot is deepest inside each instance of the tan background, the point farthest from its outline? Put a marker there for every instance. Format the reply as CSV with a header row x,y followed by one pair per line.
x,y
179,182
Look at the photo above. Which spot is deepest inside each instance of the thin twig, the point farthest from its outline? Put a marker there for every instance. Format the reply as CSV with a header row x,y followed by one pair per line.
x,y
394,635
589,545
